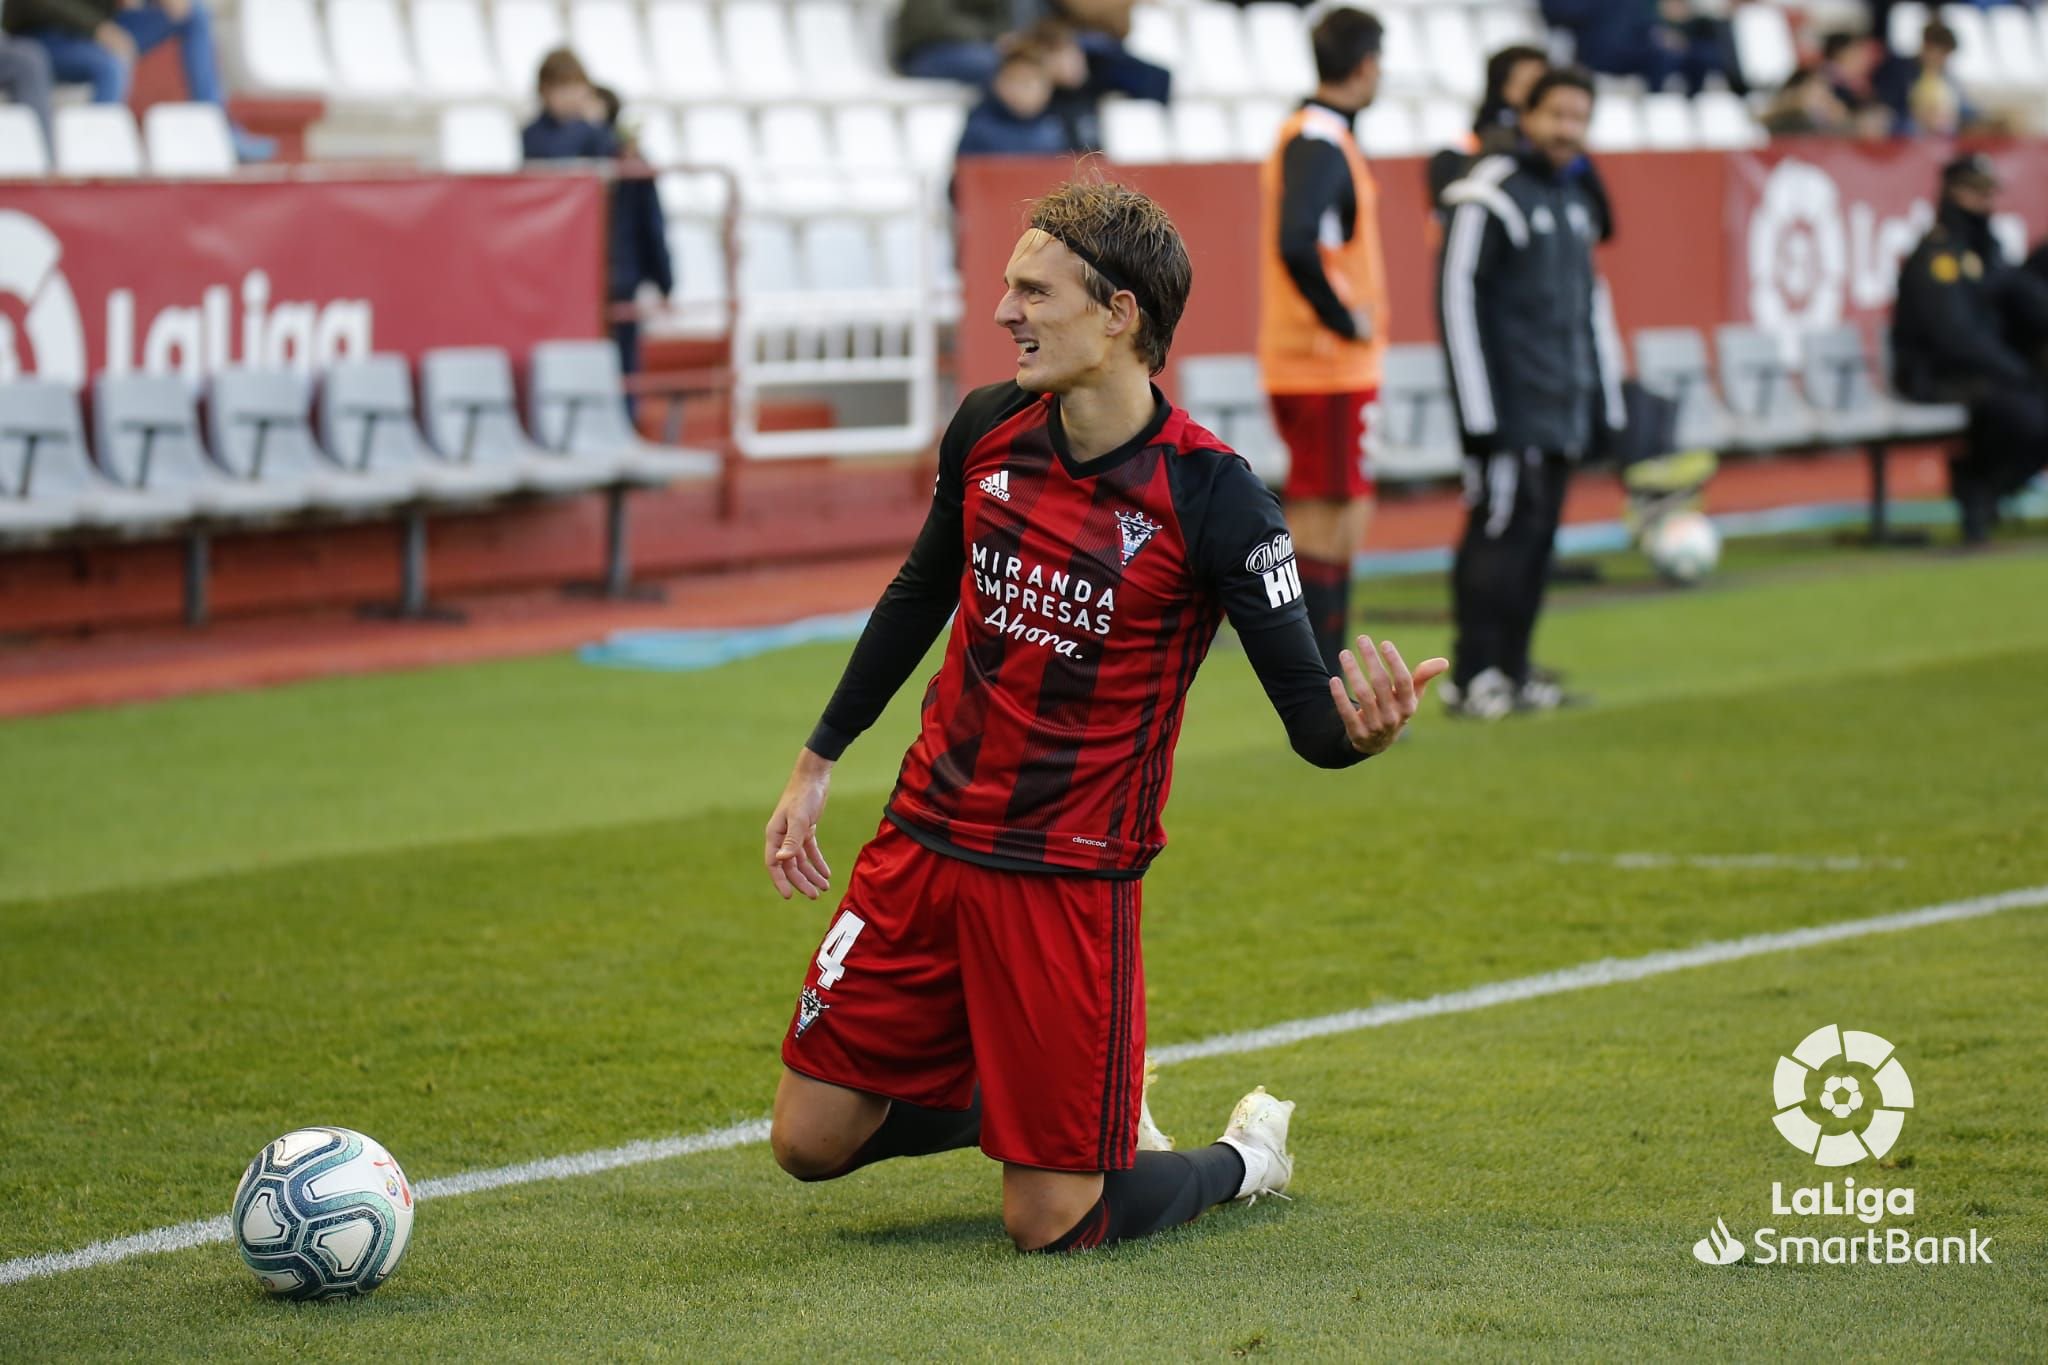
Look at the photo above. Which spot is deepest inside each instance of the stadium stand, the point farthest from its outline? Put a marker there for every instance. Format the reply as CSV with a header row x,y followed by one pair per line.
x,y
23,153
805,188
188,139
97,140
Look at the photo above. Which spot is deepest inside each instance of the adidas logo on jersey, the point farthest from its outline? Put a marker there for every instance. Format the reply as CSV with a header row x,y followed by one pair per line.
x,y
997,485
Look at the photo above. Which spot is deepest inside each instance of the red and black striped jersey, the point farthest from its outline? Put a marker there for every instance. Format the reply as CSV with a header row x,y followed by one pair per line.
x,y
1087,595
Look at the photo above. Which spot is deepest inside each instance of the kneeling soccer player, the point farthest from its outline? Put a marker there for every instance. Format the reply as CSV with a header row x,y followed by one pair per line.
x,y
981,982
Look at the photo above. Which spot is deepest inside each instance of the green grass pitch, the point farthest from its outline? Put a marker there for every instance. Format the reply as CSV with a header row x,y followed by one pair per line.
x,y
511,911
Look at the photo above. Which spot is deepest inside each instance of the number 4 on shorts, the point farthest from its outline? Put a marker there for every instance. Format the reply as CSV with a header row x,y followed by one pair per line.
x,y
838,943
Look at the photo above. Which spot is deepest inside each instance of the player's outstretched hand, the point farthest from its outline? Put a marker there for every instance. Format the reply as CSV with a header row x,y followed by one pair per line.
x,y
1387,693
791,856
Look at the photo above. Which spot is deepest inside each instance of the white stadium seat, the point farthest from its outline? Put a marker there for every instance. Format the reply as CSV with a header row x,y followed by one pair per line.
x,y
793,138
1617,124
687,64
1455,61
1763,45
1441,122
607,35
1976,66
98,140
188,139
830,52
698,252
1216,62
1201,131
1258,127
768,257
655,131
1404,54
931,132
1902,30
1668,123
1388,128
839,254
281,47
868,138
703,193
23,153
525,31
2021,61
1500,26
1725,123
1277,36
1134,132
452,51
1156,35
758,55
366,40
478,138
719,135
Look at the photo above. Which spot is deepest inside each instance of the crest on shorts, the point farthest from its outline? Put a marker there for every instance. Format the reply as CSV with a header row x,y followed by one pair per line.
x,y
809,1006
1137,528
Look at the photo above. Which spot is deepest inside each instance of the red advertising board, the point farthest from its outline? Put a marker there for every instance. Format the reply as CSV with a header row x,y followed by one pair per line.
x,y
1816,230
190,277
1805,234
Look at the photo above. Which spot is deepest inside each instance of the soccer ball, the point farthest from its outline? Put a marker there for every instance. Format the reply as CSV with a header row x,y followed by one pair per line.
x,y
323,1213
1684,546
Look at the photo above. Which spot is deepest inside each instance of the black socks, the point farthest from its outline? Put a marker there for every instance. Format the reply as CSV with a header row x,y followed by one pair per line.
x,y
910,1130
1326,593
1161,1190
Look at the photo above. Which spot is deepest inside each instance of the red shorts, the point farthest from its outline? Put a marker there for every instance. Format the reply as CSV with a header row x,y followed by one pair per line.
x,y
1325,435
937,975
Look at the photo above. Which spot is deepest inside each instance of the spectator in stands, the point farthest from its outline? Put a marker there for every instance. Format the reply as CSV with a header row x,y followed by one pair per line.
x,y
952,40
1807,106
638,249
1085,66
1497,126
1923,92
571,121
1016,117
1850,61
97,41
25,77
1969,327
1656,40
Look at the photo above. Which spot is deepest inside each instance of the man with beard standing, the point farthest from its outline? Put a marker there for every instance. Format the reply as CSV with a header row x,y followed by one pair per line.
x,y
1535,365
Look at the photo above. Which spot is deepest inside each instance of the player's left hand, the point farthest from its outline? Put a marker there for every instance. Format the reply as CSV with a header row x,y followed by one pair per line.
x,y
1387,693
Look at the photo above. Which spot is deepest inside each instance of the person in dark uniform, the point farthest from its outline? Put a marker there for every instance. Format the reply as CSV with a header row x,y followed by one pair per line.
x,y
1970,327
1535,369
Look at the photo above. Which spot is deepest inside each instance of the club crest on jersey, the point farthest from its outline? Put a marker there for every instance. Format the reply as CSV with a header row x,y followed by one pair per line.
x,y
1137,528
809,1006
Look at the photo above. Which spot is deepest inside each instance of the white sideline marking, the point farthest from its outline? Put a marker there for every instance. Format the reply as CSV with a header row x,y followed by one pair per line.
x,y
1605,972
1774,862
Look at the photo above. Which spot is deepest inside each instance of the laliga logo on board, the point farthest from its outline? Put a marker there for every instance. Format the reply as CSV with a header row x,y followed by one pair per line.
x,y
1798,251
29,253
1812,257
193,341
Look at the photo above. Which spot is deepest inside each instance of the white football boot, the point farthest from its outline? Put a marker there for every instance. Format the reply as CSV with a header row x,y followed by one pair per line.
x,y
1258,1130
1150,1139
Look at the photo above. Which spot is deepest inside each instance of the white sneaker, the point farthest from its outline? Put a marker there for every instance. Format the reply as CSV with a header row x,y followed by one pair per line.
x,y
1150,1139
1258,1130
1490,696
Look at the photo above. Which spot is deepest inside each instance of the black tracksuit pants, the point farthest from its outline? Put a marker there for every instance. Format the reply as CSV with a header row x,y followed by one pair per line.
x,y
1513,503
